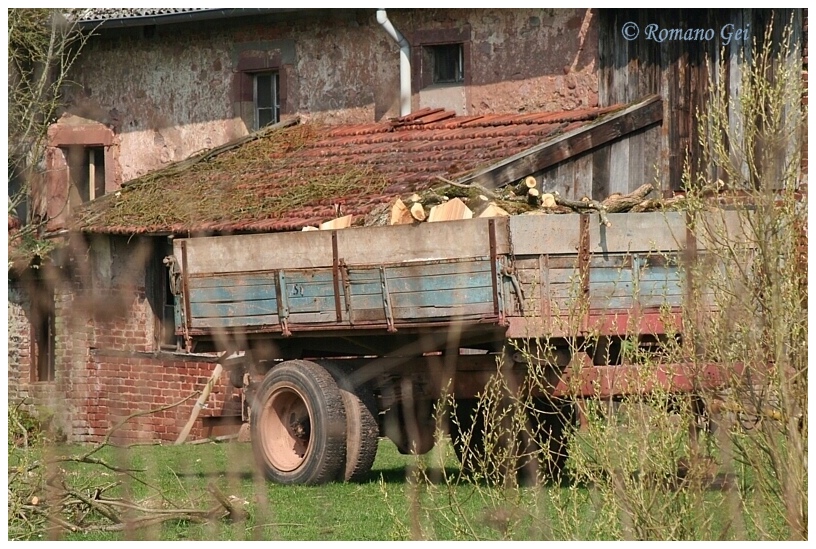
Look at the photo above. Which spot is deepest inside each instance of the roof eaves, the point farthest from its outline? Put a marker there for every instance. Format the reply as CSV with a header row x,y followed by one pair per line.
x,y
203,14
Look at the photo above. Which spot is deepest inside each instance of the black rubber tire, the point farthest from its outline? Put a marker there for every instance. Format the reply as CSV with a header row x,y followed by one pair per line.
x,y
467,434
298,425
550,424
468,437
362,429
412,432
555,419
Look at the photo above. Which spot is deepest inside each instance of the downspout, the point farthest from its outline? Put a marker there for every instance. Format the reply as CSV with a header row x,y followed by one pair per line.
x,y
405,61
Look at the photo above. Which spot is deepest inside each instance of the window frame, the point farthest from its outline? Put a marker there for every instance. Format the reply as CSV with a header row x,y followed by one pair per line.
x,y
42,328
251,63
161,298
275,93
435,52
55,191
90,181
422,43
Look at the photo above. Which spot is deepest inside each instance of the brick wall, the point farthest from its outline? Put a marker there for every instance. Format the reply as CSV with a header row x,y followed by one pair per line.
x,y
19,341
105,365
119,386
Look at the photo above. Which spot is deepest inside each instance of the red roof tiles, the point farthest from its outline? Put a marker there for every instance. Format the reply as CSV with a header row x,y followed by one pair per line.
x,y
253,187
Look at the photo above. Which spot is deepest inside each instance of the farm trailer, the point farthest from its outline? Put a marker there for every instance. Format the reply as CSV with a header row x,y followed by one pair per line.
x,y
347,335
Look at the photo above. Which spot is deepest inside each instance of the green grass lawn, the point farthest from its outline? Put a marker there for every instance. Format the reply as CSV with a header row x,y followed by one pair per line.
x,y
388,505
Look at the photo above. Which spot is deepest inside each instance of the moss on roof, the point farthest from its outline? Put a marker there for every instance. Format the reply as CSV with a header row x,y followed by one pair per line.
x,y
250,180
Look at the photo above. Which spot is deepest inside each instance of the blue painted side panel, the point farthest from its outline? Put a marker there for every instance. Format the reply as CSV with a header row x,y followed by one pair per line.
x,y
233,293
438,283
259,278
235,322
417,291
233,309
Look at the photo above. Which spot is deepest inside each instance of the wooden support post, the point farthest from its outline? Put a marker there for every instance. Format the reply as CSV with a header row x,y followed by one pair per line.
x,y
202,399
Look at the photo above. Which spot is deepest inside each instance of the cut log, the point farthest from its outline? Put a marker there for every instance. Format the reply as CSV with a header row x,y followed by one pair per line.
x,y
478,204
400,214
454,189
427,198
533,197
648,205
493,211
548,200
584,206
624,202
339,223
651,204
525,185
449,211
418,212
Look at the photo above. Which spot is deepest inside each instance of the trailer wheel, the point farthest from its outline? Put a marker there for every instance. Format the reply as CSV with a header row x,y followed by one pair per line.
x,y
298,425
412,430
549,426
552,423
467,435
362,430
482,454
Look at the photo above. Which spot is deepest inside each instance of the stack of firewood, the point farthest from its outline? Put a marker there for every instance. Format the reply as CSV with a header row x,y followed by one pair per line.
x,y
451,201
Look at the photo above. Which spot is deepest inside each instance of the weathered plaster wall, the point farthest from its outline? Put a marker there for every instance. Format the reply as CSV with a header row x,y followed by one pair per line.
x,y
173,93
522,60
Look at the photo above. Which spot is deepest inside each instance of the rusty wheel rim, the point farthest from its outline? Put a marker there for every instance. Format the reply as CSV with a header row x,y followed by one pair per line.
x,y
287,437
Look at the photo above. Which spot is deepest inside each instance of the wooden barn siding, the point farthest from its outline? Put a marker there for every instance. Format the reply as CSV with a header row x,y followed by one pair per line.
x,y
679,72
620,166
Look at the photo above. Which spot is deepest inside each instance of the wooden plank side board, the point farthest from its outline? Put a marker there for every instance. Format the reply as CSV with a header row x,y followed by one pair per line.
x,y
235,322
660,288
235,293
440,298
312,317
610,274
356,245
540,234
405,314
643,232
608,128
439,283
461,239
606,303
233,309
257,252
720,228
419,270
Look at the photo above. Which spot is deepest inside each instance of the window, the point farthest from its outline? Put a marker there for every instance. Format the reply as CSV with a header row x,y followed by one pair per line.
x,y
441,58
86,172
260,84
80,160
266,94
447,61
42,331
161,296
